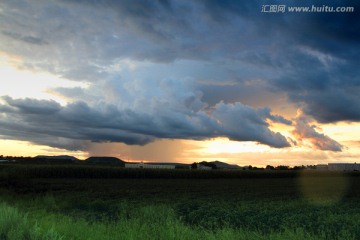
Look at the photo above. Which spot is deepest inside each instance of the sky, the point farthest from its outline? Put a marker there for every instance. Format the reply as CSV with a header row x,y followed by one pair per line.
x,y
180,81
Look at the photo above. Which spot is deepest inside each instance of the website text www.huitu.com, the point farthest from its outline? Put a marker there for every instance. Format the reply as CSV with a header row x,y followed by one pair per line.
x,y
306,9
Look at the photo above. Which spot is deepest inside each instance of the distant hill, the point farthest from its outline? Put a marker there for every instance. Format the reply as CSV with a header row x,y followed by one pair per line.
x,y
105,160
220,165
226,165
60,157
52,159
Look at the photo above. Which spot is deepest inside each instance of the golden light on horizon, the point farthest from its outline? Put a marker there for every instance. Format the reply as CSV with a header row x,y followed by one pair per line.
x,y
224,145
342,131
27,149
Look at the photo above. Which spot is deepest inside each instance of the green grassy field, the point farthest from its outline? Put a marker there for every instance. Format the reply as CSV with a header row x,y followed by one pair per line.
x,y
81,202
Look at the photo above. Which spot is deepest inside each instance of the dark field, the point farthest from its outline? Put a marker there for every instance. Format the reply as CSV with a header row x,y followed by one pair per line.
x,y
179,204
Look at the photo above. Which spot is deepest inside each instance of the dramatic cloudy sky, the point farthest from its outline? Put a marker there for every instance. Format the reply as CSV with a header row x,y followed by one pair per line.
x,y
180,81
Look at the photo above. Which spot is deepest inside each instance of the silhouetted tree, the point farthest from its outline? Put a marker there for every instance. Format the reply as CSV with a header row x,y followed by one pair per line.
x,y
282,167
311,166
269,167
194,165
299,167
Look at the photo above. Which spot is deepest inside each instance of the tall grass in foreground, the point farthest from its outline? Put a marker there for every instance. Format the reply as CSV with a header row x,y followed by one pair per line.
x,y
149,222
15,225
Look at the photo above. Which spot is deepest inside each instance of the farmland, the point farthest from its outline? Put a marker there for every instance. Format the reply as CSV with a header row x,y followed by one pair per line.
x,y
99,202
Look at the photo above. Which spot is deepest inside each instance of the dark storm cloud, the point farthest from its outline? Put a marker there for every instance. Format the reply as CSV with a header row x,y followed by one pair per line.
x,y
333,105
325,77
62,126
98,32
241,123
318,55
33,106
23,119
325,86
334,33
231,52
158,28
169,30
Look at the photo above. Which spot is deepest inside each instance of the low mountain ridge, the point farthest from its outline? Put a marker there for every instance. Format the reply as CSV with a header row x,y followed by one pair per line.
x,y
226,165
220,165
104,160
59,157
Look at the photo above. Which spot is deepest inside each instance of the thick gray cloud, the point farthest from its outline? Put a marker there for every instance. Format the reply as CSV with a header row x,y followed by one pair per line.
x,y
84,38
32,106
41,120
326,86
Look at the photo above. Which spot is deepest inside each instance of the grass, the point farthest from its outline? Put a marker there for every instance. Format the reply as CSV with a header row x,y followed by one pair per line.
x,y
287,206
150,222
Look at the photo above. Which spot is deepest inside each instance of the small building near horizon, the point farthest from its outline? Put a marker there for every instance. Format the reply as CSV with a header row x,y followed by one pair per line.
x,y
344,167
322,167
152,166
